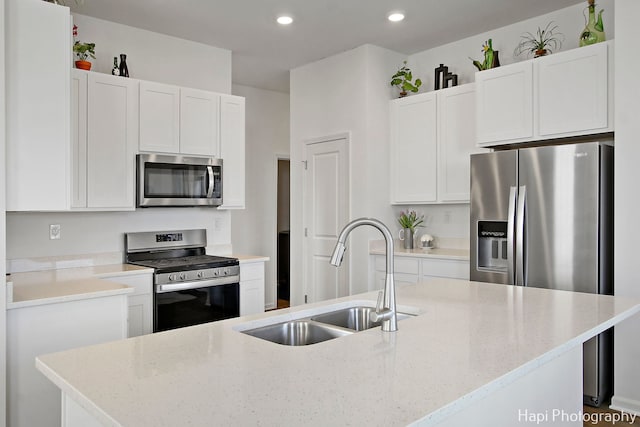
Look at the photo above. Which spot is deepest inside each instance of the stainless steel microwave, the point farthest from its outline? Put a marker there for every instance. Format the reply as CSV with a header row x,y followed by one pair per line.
x,y
174,180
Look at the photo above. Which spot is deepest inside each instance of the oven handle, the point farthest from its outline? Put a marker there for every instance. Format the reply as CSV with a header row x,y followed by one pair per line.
x,y
174,287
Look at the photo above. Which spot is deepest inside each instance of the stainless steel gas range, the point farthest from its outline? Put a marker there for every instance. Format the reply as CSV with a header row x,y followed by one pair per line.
x,y
189,287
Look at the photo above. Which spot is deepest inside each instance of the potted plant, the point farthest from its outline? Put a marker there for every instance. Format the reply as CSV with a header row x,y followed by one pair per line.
x,y
403,80
83,51
409,221
540,44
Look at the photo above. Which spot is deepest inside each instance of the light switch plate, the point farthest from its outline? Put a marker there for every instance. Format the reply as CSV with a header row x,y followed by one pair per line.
x,y
54,231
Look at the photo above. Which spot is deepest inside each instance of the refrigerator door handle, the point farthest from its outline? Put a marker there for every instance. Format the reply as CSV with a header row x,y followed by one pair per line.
x,y
513,192
521,274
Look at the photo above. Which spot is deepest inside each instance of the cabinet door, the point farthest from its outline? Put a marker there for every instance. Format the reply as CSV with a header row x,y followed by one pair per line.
x,y
199,126
78,138
159,118
38,52
251,288
413,149
572,91
504,103
140,316
112,138
456,141
232,151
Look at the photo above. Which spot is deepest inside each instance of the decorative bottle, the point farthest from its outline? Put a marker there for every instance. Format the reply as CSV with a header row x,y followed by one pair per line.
x,y
594,29
124,70
115,70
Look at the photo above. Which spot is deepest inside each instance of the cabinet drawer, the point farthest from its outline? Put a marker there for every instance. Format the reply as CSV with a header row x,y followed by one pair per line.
x,y
401,265
400,280
454,269
251,271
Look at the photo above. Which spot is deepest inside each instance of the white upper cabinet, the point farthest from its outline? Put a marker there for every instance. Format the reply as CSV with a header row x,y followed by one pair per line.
x,y
432,137
179,120
199,122
79,81
573,91
456,142
561,95
413,149
112,139
504,103
38,53
159,117
232,151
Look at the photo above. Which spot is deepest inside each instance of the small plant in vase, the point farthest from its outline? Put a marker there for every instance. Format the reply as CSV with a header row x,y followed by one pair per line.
x,y
403,81
409,221
541,43
84,51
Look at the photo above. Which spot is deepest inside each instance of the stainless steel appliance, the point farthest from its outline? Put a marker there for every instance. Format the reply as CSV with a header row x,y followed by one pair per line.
x,y
543,217
168,180
189,287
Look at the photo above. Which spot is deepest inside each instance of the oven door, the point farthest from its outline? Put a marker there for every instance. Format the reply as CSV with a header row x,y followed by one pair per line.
x,y
164,180
187,304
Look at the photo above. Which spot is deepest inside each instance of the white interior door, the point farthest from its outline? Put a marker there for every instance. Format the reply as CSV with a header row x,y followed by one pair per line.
x,y
326,211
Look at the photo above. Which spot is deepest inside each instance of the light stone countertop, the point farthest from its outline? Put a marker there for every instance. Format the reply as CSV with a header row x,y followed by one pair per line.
x,y
69,284
451,248
469,339
246,259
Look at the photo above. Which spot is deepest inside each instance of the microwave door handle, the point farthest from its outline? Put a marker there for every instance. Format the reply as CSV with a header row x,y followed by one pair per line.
x,y
212,182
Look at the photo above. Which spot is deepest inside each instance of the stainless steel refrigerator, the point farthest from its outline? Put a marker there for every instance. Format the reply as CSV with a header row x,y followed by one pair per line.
x,y
543,217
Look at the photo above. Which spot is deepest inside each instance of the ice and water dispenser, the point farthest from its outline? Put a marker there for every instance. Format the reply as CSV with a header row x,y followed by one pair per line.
x,y
492,246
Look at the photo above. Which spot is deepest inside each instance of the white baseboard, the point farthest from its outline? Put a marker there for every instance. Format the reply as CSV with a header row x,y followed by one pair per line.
x,y
623,404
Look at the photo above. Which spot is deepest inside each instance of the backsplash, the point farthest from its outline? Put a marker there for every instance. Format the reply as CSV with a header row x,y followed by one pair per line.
x,y
95,238
447,223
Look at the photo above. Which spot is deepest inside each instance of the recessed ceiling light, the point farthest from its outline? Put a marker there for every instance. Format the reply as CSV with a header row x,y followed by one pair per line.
x,y
284,20
395,17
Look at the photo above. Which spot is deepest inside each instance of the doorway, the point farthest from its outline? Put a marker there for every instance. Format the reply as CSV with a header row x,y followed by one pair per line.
x,y
325,199
282,231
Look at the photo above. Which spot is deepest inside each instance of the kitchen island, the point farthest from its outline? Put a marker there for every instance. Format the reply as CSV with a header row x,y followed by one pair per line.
x,y
475,354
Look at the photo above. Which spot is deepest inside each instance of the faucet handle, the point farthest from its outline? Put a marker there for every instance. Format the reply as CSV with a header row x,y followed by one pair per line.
x,y
379,303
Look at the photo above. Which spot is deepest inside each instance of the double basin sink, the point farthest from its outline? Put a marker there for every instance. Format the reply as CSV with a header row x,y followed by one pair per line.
x,y
318,328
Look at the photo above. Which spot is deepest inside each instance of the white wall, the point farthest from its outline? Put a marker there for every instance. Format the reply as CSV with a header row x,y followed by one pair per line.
x,y
156,57
627,203
348,92
456,55
253,230
102,232
3,300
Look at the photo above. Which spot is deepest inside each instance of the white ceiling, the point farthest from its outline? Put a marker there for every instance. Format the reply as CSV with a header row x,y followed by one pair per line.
x,y
264,52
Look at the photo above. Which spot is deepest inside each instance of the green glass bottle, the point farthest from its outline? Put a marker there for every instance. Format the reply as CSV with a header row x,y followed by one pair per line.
x,y
594,29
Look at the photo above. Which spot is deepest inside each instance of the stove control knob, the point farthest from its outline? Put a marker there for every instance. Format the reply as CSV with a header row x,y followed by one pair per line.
x,y
172,277
181,276
226,271
216,273
200,274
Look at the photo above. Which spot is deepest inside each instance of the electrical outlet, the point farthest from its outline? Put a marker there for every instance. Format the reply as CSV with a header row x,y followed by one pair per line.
x,y
54,231
447,217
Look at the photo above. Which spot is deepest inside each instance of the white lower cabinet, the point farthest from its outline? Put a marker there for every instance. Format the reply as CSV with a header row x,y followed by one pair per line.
x,y
140,303
35,330
251,288
411,270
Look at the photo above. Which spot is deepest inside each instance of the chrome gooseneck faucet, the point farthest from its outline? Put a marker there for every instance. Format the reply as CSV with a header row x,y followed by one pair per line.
x,y
386,313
